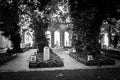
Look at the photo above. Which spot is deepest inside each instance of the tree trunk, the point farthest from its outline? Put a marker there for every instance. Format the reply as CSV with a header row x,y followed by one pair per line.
x,y
16,40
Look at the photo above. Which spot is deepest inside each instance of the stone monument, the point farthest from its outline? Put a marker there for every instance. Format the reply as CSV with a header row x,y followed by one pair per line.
x,y
33,58
90,57
46,53
73,50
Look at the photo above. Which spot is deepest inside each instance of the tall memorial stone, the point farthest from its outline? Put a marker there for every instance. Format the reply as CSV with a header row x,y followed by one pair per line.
x,y
46,53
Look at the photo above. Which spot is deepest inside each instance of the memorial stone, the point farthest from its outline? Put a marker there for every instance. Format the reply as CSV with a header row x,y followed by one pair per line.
x,y
33,58
90,57
46,53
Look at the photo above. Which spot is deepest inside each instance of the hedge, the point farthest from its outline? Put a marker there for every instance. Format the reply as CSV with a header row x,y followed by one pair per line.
x,y
100,60
111,53
5,57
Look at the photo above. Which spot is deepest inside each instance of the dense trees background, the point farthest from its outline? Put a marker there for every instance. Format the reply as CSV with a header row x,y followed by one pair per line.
x,y
10,18
35,14
87,18
8,21
39,22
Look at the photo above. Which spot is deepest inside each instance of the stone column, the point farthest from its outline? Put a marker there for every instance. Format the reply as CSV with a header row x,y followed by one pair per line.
x,y
23,39
52,38
62,38
70,38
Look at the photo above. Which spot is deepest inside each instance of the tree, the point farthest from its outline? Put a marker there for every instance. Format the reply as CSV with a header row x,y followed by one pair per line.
x,y
37,19
87,18
40,26
9,19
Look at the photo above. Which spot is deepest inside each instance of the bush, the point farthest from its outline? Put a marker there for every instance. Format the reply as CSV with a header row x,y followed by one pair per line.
x,y
112,53
5,58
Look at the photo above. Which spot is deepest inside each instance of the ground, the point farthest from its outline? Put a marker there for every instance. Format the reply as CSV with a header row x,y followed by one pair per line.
x,y
80,74
18,69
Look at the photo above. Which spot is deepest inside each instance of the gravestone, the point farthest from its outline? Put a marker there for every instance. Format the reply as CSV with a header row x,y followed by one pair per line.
x,y
33,61
90,57
46,53
73,50
33,58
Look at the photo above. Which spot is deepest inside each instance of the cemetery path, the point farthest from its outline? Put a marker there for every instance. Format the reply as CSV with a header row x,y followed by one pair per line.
x,y
69,62
20,62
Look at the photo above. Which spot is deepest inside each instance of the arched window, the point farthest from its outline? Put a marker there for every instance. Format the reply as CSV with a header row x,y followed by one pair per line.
x,y
66,39
57,38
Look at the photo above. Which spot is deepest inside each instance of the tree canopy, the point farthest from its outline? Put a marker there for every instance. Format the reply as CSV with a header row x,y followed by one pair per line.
x,y
87,16
15,14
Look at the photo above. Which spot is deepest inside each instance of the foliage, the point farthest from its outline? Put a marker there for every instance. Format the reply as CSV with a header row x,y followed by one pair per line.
x,y
55,12
8,22
40,27
15,15
59,13
113,29
87,18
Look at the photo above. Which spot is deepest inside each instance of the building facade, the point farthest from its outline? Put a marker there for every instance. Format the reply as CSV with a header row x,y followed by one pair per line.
x,y
59,37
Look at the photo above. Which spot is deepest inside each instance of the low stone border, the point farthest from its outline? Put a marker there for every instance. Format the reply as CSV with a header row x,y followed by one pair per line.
x,y
55,61
95,62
